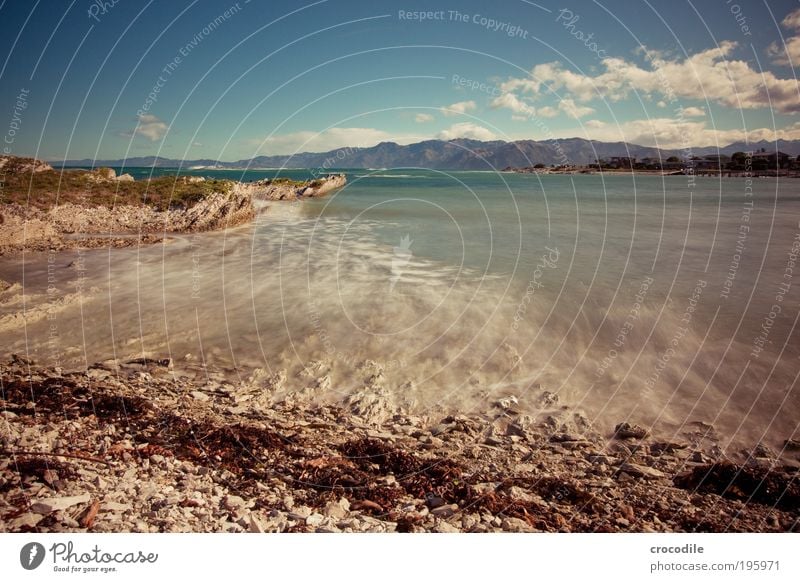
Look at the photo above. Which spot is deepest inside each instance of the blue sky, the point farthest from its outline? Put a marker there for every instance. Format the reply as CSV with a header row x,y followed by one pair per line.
x,y
235,80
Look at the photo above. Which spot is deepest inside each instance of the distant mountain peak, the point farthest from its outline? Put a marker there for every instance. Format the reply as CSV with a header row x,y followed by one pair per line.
x,y
455,154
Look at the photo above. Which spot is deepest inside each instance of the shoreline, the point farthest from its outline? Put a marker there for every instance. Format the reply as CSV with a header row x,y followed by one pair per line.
x,y
147,446
98,209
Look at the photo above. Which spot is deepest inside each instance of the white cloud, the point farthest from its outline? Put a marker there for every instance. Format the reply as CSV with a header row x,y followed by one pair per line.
x,y
574,111
693,112
148,126
459,108
786,54
512,102
466,130
675,133
792,20
331,139
710,75
423,117
547,111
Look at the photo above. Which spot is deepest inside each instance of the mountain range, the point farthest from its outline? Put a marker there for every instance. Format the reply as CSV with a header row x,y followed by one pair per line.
x,y
457,154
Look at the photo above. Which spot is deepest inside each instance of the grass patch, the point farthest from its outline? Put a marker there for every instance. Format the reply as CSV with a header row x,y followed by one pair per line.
x,y
46,189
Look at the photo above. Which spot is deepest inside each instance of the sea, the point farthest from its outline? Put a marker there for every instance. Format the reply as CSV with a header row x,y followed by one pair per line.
x,y
667,301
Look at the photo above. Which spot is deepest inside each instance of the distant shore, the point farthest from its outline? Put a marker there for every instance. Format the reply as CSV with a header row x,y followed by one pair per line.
x,y
544,171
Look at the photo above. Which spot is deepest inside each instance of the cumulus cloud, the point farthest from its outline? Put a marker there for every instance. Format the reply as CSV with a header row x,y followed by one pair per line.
x,y
674,133
512,102
792,20
466,130
572,110
148,126
710,75
693,112
459,108
423,117
787,53
331,139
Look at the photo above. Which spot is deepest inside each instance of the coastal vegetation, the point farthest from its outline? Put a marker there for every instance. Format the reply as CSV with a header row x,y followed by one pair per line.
x,y
102,188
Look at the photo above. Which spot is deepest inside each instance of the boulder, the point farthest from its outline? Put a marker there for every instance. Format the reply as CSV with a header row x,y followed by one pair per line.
x,y
626,430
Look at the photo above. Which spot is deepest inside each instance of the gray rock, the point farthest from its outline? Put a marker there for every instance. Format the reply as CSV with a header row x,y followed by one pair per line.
x,y
434,501
45,506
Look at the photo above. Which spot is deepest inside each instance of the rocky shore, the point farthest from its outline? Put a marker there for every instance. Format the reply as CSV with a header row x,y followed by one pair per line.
x,y
149,446
89,209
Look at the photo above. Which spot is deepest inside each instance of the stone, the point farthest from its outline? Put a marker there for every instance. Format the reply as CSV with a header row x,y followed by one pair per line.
x,y
514,524
315,520
200,396
625,430
113,506
25,520
445,510
254,524
641,471
547,400
299,513
45,506
434,501
445,527
337,509
233,503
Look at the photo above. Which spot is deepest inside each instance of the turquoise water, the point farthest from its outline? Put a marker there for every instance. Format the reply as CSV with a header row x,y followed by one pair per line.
x,y
647,298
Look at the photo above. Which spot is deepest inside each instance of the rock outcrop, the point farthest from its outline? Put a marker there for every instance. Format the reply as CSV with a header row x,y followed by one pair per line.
x,y
121,221
281,189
